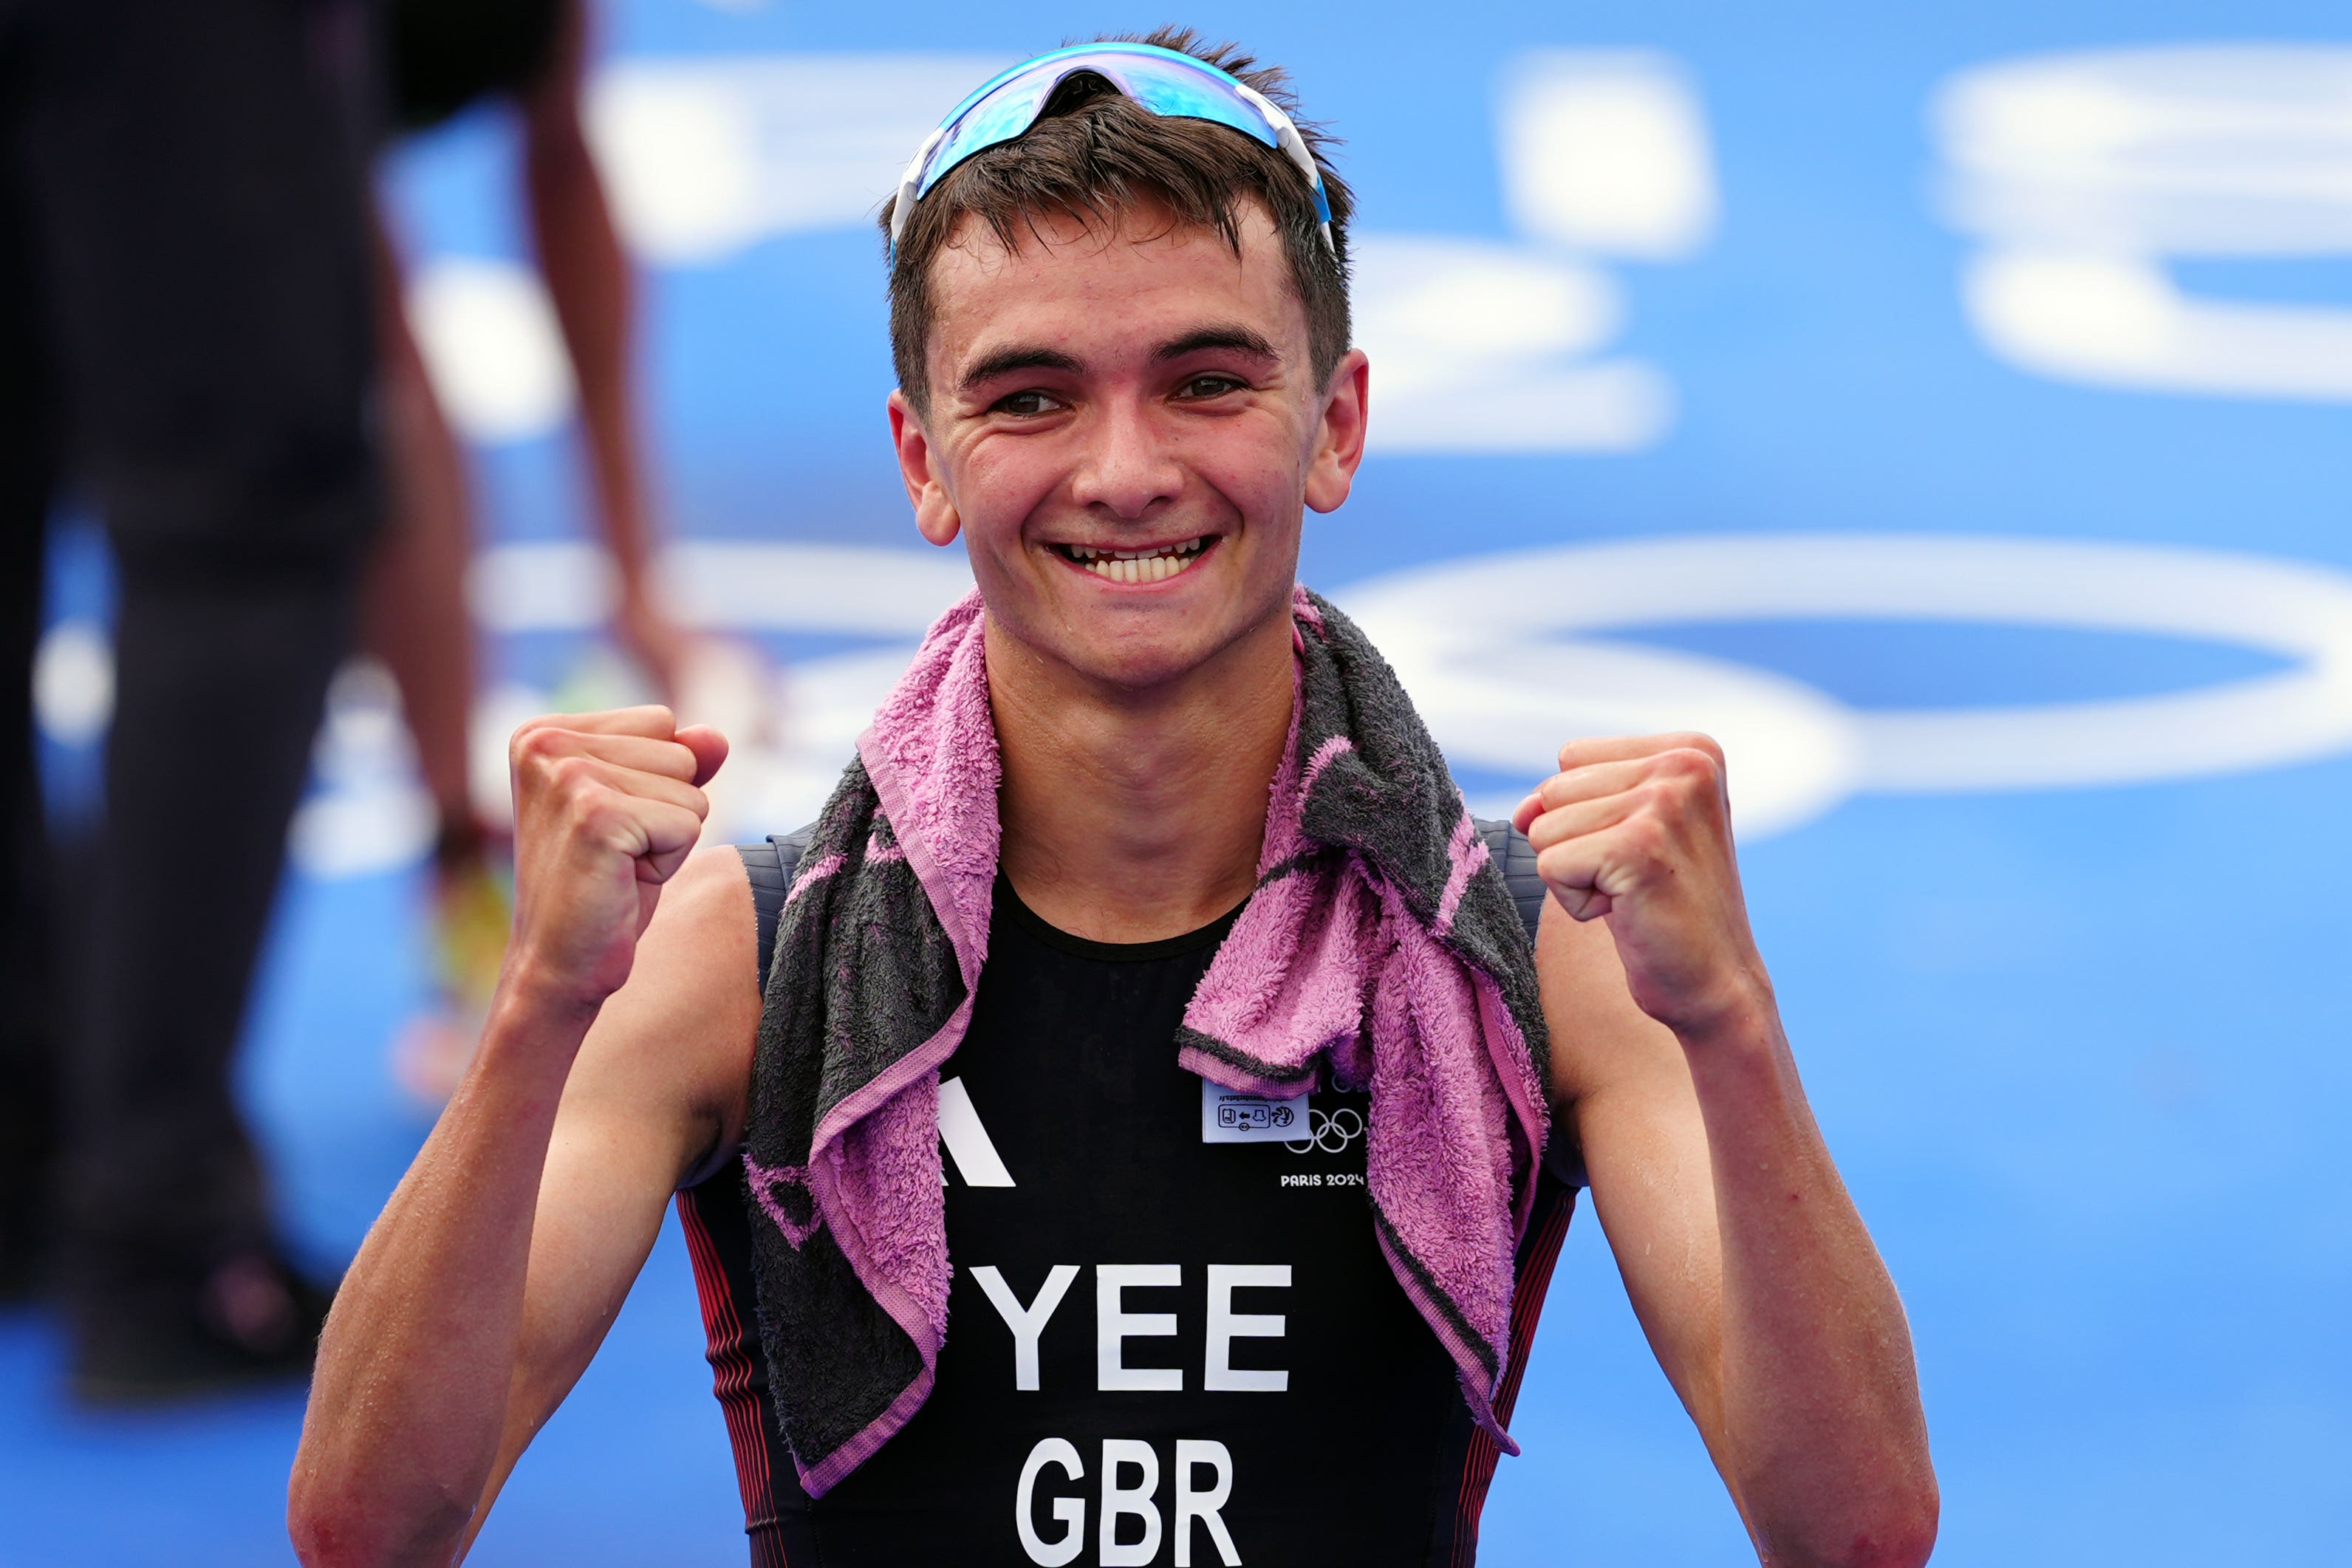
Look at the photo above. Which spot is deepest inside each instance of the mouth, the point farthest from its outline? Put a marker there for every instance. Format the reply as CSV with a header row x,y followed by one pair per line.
x,y
1137,566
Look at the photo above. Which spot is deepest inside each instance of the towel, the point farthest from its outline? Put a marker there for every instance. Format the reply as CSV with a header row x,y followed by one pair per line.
x,y
1380,950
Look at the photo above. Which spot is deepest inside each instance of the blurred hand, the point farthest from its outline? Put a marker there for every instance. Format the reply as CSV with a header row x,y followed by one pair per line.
x,y
655,639
1637,831
607,807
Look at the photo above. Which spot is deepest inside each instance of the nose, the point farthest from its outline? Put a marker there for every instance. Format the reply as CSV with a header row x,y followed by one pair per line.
x,y
1128,467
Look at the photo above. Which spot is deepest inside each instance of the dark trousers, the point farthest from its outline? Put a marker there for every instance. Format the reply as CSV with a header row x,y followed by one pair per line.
x,y
184,343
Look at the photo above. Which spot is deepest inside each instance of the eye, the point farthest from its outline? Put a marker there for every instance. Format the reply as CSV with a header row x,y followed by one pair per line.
x,y
1210,386
1026,404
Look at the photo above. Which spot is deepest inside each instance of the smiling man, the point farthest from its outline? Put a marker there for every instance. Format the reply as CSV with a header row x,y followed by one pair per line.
x,y
1145,1006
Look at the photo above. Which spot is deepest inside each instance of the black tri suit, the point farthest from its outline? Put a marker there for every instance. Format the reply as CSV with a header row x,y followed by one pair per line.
x,y
1162,1349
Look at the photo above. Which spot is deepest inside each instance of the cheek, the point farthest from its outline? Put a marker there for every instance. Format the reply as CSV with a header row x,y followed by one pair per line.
x,y
1258,470
1000,483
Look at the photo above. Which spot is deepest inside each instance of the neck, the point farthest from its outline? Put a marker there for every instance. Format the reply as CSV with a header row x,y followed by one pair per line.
x,y
1132,816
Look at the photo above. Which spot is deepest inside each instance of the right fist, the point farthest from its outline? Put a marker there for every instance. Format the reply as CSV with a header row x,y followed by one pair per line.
x,y
607,807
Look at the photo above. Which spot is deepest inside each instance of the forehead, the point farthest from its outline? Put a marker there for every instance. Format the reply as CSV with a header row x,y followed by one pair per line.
x,y
1106,291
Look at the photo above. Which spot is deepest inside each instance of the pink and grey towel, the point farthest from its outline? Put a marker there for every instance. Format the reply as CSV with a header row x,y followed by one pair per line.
x,y
1381,950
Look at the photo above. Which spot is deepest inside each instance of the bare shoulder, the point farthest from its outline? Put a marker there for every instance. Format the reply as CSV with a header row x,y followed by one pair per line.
x,y
673,1044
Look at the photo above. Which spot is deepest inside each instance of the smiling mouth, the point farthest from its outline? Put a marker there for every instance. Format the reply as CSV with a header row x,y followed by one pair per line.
x,y
1138,565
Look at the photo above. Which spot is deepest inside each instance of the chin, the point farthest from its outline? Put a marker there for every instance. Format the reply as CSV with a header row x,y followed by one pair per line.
x,y
1140,662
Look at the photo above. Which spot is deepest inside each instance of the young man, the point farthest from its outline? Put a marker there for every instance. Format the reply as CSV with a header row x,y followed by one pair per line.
x,y
1146,847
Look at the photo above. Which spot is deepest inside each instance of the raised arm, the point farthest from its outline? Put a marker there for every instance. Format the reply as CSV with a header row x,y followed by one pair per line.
x,y
1749,1270
616,1058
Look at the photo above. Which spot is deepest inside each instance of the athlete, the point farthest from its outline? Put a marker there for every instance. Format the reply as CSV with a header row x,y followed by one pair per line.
x,y
1132,1125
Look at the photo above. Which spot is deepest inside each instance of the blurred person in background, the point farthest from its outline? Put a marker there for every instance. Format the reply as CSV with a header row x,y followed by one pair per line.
x,y
185,346
442,56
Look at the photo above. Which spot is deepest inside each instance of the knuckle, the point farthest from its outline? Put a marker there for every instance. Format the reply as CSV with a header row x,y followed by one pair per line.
x,y
1704,746
534,738
571,772
1643,836
1689,773
587,806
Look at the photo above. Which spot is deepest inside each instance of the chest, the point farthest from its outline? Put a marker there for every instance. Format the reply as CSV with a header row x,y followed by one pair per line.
x,y
1157,1321
1111,1226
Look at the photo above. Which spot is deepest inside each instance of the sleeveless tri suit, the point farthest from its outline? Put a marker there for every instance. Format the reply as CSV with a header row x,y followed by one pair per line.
x,y
1173,1342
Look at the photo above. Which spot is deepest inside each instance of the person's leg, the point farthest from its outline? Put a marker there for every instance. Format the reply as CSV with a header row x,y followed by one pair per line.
x,y
27,1016
200,186
220,679
415,618
28,1093
27,1089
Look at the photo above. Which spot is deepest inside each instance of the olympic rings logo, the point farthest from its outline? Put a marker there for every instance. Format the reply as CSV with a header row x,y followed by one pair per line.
x,y
1329,1131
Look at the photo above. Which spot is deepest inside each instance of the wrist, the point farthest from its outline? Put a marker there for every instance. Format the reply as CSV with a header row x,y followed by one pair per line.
x,y
1740,1058
640,597
530,1039
532,991
1742,1017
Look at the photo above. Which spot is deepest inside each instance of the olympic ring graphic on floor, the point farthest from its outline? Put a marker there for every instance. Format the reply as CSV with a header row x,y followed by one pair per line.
x,y
1508,654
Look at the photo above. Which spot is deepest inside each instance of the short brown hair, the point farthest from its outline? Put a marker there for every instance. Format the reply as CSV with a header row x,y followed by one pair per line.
x,y
1095,155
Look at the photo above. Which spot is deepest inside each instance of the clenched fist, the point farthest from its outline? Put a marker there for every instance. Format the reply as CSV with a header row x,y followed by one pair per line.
x,y
607,807
1638,831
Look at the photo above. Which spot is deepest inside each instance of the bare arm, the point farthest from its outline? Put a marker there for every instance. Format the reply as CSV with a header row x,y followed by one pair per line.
x,y
1751,1272
490,1277
589,280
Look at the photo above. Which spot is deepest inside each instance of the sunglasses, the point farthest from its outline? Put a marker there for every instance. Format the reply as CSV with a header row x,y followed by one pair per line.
x,y
1164,81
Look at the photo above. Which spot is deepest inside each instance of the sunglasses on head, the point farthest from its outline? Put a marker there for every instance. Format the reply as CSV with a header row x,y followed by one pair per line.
x,y
1164,81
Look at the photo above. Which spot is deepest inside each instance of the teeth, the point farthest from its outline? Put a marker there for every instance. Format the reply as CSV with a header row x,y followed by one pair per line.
x,y
1135,565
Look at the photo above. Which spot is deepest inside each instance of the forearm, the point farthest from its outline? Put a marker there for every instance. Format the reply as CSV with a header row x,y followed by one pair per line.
x,y
591,285
1821,1415
409,1401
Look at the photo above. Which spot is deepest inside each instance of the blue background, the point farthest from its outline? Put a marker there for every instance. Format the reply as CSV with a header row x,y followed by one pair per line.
x,y
2080,1052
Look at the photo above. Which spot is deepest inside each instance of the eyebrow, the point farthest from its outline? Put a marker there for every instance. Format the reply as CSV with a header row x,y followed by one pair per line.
x,y
1017,358
1009,360
1237,339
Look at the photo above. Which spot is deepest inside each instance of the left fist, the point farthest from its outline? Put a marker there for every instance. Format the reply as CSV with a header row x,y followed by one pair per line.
x,y
1637,831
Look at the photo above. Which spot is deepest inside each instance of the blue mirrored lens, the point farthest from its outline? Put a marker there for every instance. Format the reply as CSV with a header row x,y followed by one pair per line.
x,y
1167,88
1002,115
1166,84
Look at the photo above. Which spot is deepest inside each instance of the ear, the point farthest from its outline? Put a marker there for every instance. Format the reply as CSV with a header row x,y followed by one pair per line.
x,y
1339,437
935,513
